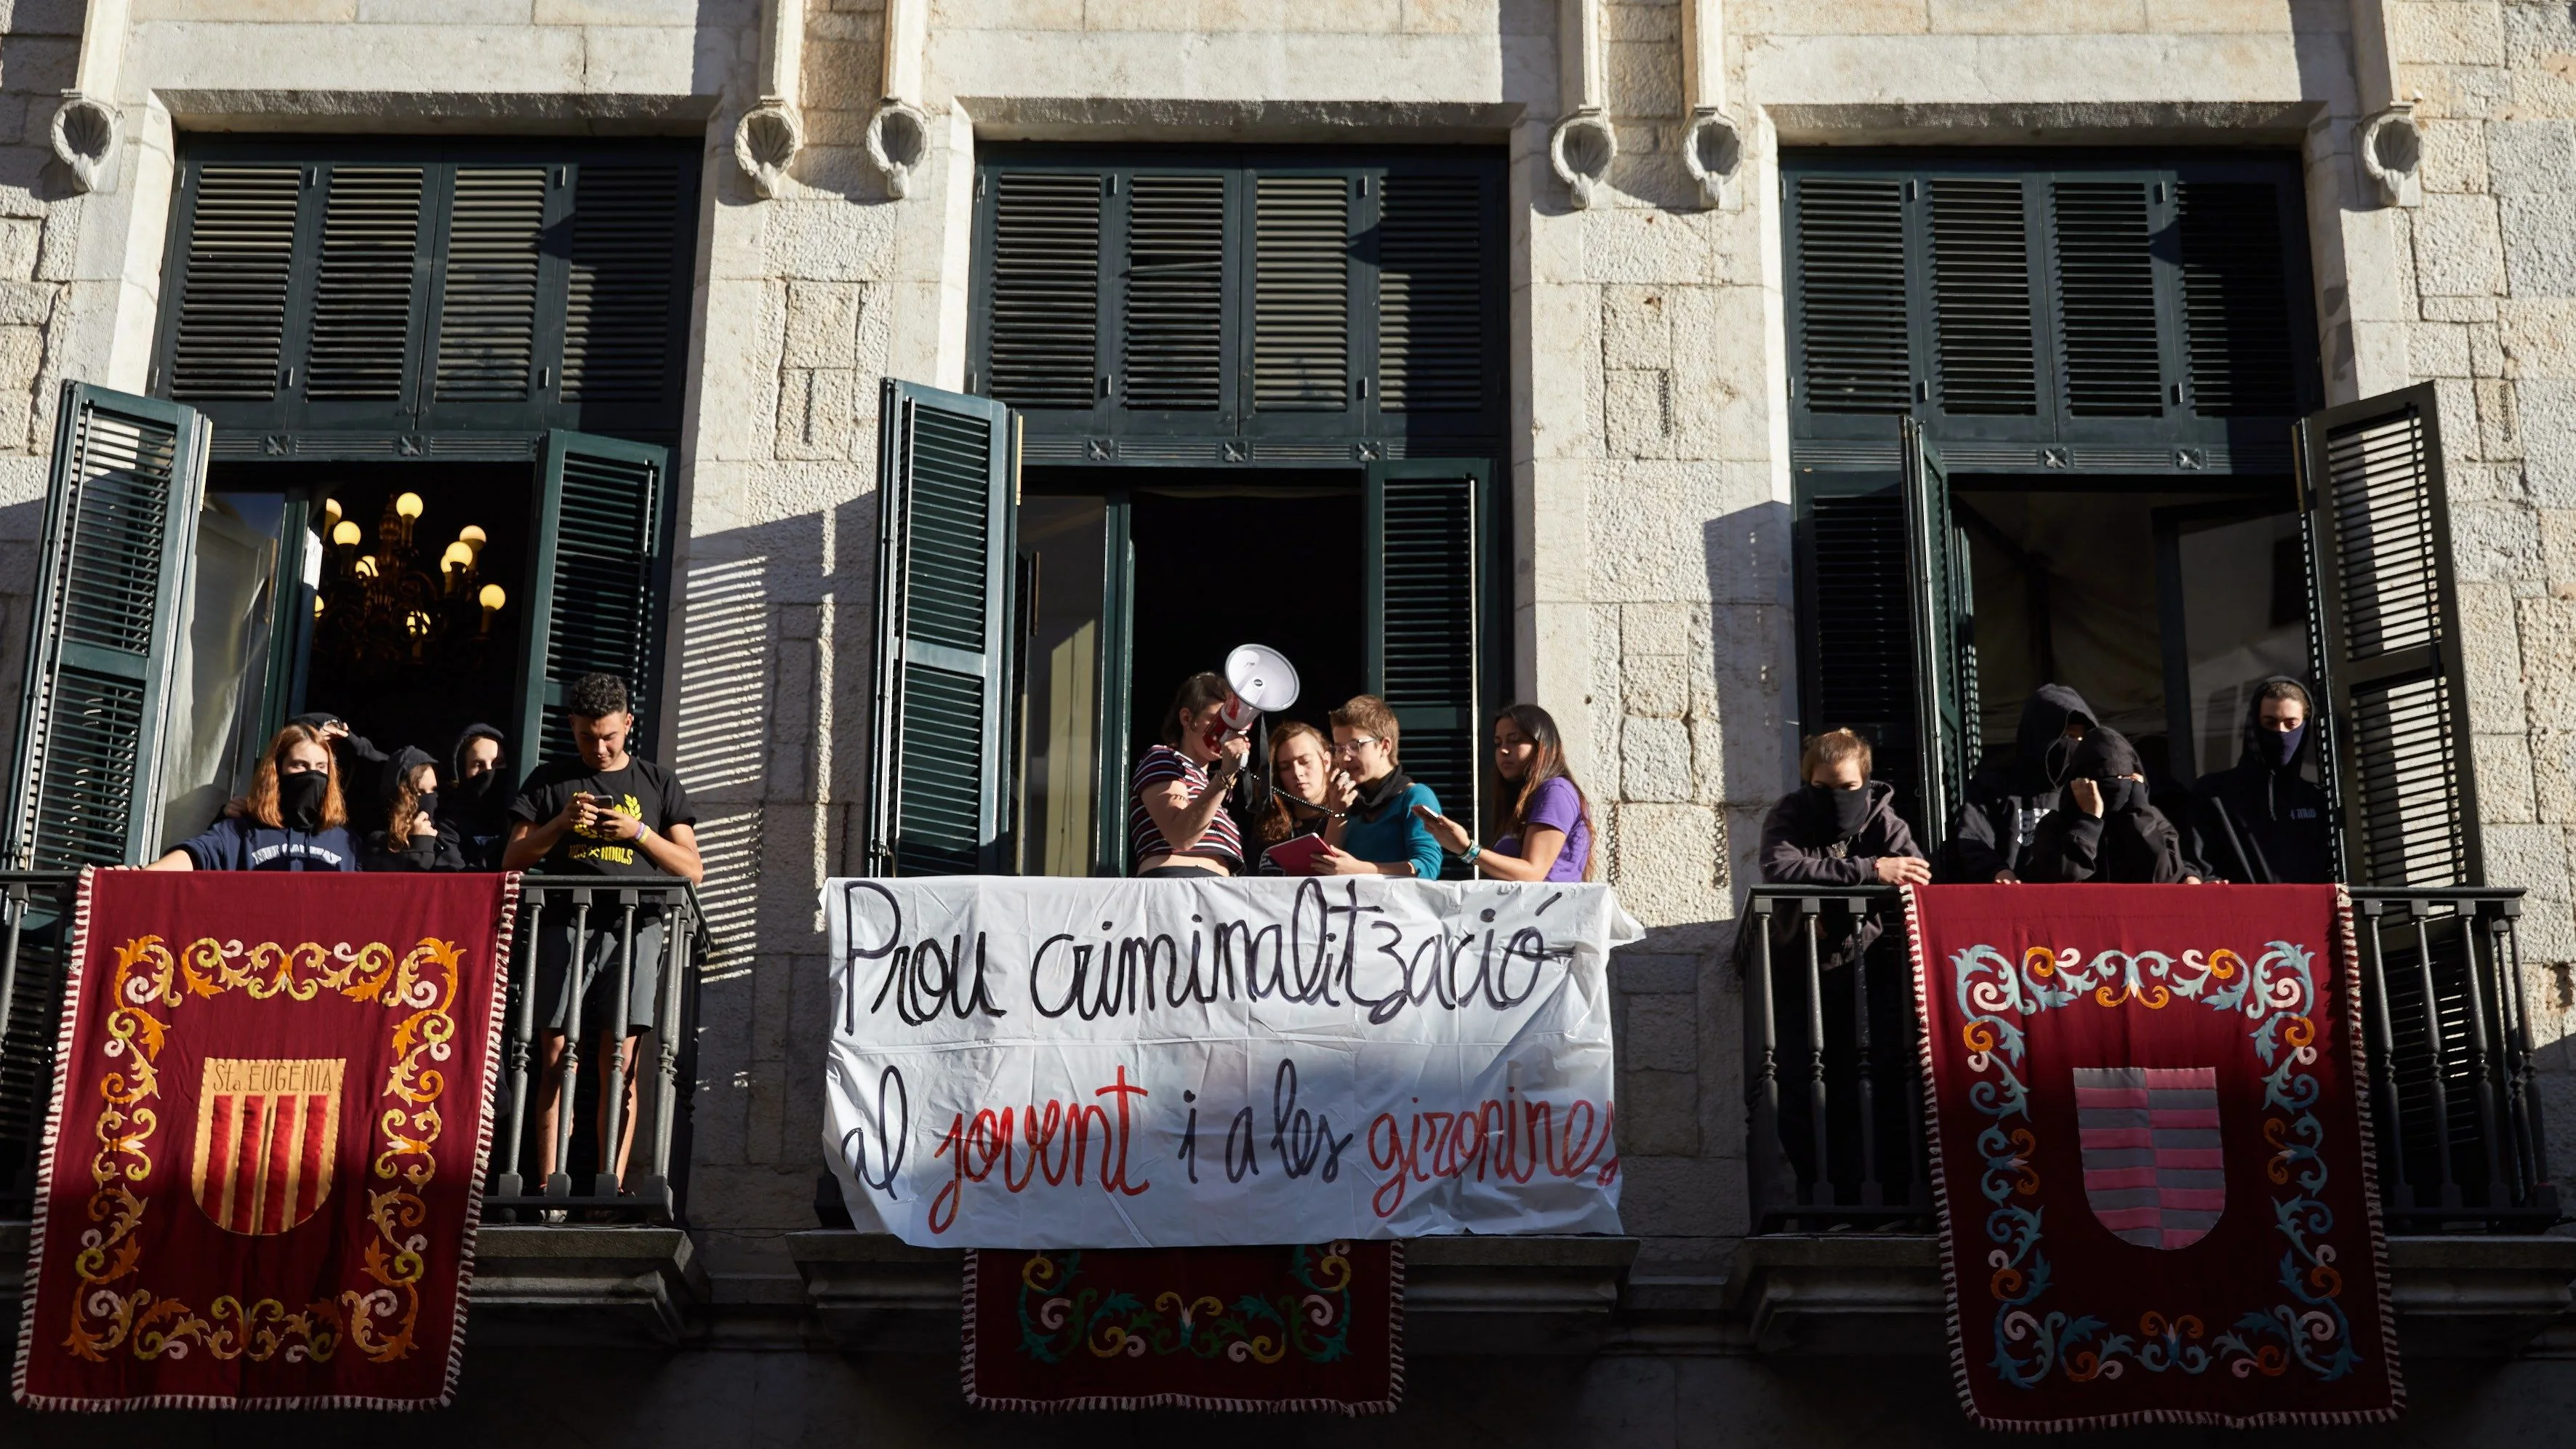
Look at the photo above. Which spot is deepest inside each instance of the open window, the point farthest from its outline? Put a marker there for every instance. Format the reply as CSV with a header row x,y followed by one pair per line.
x,y
2384,624
129,476
939,791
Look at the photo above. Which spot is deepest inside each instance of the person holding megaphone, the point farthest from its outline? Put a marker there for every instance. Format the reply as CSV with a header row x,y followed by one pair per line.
x,y
1177,824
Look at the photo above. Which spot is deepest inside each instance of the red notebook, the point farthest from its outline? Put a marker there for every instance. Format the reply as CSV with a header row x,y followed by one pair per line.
x,y
1298,854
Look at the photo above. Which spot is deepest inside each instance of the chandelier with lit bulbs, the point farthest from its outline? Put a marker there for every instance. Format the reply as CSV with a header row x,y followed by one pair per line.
x,y
386,611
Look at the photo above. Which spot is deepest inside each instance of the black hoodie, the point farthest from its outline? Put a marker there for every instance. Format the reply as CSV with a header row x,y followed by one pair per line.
x,y
1802,845
2005,805
475,814
2129,843
2257,824
420,852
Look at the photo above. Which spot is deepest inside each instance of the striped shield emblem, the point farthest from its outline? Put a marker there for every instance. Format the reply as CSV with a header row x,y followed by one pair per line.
x,y
267,1135
2151,1162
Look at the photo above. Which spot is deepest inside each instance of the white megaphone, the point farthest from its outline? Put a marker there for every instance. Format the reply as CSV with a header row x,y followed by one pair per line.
x,y
1264,683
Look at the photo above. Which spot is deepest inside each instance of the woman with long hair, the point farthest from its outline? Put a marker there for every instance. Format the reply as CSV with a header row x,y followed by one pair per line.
x,y
1547,835
1306,793
292,818
412,839
1177,825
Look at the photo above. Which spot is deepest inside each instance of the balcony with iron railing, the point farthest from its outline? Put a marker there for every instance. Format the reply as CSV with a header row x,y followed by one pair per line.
x,y
576,1251
1840,1248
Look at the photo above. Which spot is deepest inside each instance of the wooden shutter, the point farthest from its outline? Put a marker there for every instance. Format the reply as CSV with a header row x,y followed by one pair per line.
x,y
1174,343
1430,288
120,516
2236,300
625,279
947,484
1857,648
1423,521
2385,632
2106,300
1940,608
487,314
1981,296
360,349
233,275
1301,290
1045,289
598,583
1852,337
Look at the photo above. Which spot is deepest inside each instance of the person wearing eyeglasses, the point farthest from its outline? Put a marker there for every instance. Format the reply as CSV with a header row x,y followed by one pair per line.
x,y
1381,834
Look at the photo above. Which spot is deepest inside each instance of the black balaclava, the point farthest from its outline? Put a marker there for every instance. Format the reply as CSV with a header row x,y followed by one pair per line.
x,y
2040,746
299,799
2276,749
2107,756
480,798
1848,810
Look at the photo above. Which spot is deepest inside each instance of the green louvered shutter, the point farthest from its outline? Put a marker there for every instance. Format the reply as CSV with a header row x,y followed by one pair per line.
x,y
1941,605
2385,630
129,476
598,584
1423,521
947,480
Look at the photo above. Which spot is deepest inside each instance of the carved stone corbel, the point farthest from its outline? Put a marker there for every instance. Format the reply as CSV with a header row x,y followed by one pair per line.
x,y
767,138
86,128
2389,142
1582,145
1712,144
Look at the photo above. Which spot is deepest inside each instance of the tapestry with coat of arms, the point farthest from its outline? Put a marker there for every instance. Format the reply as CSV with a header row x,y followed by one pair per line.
x,y
2147,1110
263,1162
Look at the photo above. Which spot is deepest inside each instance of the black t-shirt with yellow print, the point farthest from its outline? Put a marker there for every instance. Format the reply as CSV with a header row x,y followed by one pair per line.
x,y
643,789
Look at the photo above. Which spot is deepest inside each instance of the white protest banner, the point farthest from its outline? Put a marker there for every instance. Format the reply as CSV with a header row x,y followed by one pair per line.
x,y
1065,1063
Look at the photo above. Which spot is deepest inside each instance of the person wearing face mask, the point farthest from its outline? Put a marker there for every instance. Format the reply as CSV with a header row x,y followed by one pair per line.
x,y
476,820
2005,803
1839,829
292,818
411,839
2261,822
2104,830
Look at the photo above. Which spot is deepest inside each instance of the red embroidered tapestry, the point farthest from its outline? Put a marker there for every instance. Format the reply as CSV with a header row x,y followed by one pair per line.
x,y
263,1165
2153,1157
1246,1329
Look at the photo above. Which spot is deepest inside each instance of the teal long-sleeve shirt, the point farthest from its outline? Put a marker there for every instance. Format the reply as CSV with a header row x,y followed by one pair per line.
x,y
1397,834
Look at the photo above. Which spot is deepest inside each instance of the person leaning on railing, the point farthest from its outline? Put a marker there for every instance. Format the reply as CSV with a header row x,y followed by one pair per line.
x,y
1839,828
604,812
293,817
1548,834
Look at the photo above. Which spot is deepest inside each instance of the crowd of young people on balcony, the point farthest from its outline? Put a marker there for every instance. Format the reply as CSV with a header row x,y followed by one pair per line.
x,y
2071,803
1198,807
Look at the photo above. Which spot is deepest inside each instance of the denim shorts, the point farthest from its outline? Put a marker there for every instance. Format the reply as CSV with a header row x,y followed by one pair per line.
x,y
599,995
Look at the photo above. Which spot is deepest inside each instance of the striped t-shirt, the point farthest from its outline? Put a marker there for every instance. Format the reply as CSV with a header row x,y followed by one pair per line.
x,y
1161,765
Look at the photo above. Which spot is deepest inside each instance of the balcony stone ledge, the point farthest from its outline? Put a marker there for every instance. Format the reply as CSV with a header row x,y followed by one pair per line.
x,y
873,1293
2475,1297
542,1284
558,1283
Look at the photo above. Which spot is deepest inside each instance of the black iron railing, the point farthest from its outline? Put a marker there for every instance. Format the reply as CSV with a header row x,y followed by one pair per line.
x,y
1833,1084
642,916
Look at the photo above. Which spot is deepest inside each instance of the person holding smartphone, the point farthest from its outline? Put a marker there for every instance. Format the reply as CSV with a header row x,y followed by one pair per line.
x,y
604,812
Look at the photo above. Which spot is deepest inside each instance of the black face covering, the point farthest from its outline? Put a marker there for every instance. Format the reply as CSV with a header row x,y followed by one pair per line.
x,y
2121,795
2279,746
429,805
299,799
1848,809
474,787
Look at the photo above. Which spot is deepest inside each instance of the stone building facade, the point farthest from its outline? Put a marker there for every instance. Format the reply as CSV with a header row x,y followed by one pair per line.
x,y
1649,469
